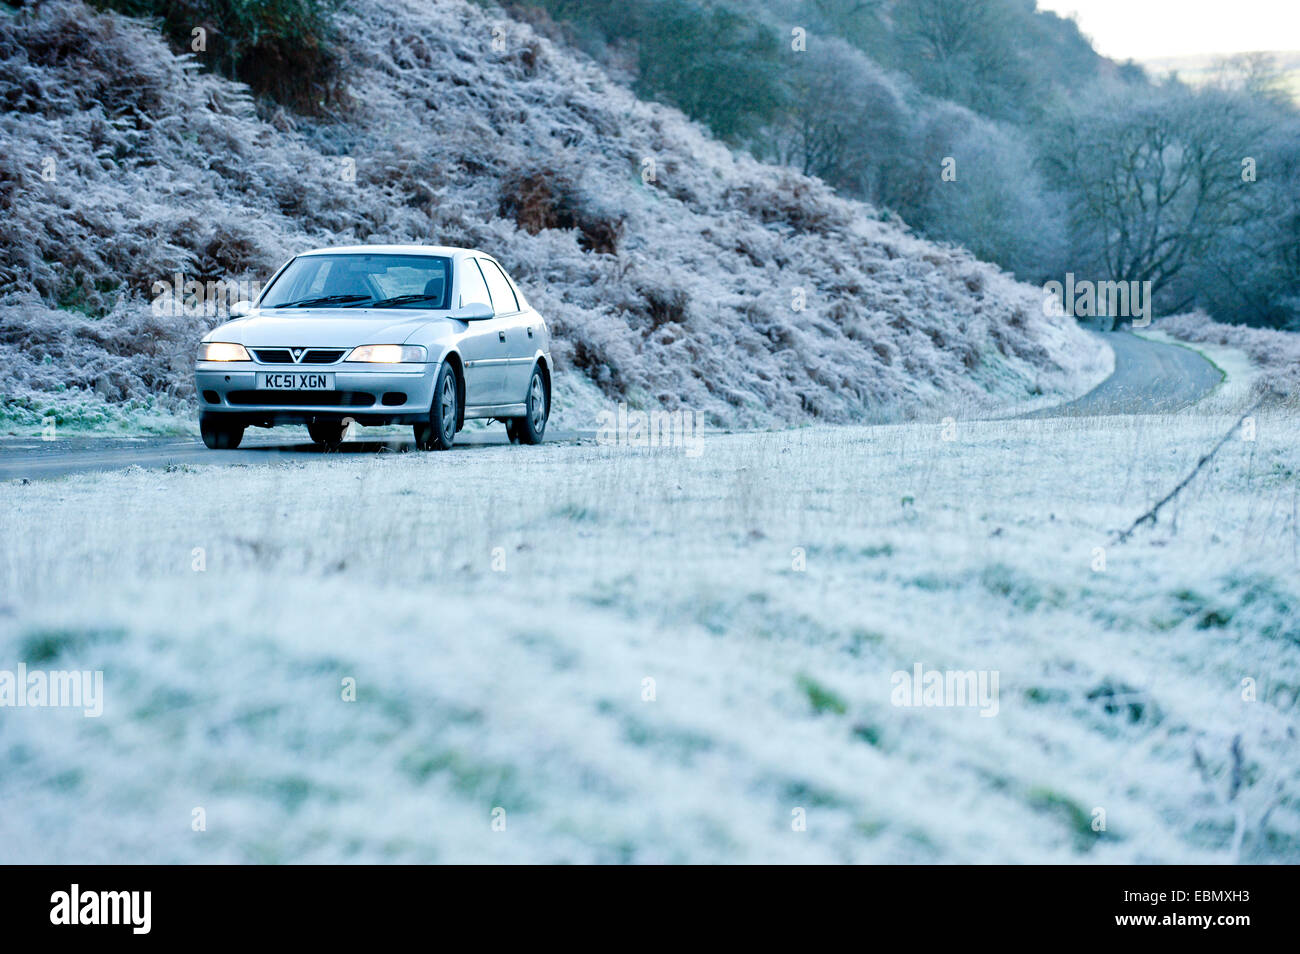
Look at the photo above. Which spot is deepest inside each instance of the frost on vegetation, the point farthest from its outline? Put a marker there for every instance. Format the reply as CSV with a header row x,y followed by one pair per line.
x,y
668,265
1276,354
642,668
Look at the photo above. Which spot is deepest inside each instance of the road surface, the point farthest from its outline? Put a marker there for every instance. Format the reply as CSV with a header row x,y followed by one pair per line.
x,y
34,458
1149,378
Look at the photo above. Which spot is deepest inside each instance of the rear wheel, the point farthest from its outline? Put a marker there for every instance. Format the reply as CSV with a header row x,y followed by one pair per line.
x,y
327,433
219,434
531,428
439,431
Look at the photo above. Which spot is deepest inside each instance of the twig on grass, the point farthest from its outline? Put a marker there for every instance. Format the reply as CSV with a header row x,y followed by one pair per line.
x,y
1150,515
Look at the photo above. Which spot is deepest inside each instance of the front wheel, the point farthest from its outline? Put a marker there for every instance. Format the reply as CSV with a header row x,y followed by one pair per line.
x,y
439,431
219,434
531,428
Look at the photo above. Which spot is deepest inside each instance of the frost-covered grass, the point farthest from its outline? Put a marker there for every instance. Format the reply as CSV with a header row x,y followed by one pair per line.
x,y
520,684
674,272
85,413
1274,354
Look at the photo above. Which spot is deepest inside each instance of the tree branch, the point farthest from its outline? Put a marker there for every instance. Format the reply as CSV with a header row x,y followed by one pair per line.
x,y
1150,515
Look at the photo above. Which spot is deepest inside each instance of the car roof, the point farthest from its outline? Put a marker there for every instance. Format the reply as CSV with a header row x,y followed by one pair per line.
x,y
449,251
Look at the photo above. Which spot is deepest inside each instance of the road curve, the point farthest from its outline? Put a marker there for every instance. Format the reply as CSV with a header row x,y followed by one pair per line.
x,y
1149,378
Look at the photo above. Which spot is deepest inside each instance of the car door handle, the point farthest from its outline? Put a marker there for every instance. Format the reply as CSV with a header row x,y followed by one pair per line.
x,y
501,335
530,331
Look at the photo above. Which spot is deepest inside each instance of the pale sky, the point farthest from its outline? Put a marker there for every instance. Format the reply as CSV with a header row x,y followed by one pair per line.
x,y
1141,29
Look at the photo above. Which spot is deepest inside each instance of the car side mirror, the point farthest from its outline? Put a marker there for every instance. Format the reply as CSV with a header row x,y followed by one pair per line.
x,y
241,309
474,311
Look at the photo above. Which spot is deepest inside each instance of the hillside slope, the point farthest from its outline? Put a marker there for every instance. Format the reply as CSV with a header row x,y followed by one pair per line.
x,y
124,164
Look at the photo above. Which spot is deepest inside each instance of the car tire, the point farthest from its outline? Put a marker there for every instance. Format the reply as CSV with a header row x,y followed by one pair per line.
x,y
439,431
328,434
531,428
219,434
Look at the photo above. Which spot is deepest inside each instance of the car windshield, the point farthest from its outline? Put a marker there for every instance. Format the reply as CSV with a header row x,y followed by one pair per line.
x,y
362,280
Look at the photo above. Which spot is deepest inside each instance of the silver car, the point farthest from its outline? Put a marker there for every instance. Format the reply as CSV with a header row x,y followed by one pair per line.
x,y
378,334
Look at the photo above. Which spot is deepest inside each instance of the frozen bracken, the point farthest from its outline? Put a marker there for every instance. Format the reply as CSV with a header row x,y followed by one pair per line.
x,y
676,272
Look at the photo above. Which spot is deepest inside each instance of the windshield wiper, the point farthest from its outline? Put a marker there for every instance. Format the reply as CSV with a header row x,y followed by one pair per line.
x,y
325,300
403,300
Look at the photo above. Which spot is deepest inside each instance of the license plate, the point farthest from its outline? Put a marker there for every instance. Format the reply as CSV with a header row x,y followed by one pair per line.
x,y
295,381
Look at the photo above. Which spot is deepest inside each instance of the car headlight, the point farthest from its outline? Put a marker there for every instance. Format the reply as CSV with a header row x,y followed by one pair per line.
x,y
389,354
222,351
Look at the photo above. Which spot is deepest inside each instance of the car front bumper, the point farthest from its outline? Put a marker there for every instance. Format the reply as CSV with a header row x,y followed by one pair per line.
x,y
367,394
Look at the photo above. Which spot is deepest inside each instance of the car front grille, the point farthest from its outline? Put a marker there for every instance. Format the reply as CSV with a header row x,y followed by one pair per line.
x,y
310,356
322,356
271,398
273,355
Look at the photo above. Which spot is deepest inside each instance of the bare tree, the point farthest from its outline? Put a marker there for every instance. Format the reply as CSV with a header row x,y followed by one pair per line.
x,y
1153,179
844,121
945,29
1255,74
971,52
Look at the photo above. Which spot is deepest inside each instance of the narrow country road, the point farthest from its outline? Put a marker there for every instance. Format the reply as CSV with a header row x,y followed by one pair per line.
x,y
33,458
1149,378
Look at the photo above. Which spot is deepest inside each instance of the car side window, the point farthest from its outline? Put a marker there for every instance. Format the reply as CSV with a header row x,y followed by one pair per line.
x,y
503,296
473,290
519,296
